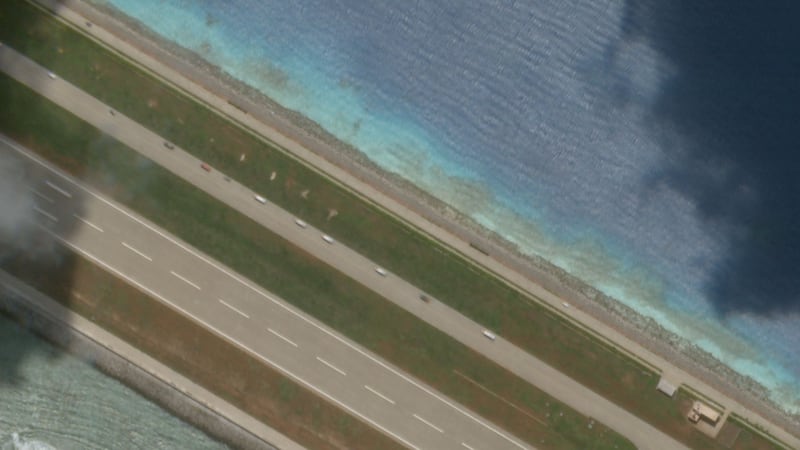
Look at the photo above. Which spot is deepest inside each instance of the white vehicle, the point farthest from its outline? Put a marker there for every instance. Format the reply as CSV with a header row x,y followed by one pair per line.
x,y
327,239
489,335
260,199
51,75
381,271
300,223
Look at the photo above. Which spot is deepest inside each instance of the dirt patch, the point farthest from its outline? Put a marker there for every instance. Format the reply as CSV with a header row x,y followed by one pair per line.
x,y
331,214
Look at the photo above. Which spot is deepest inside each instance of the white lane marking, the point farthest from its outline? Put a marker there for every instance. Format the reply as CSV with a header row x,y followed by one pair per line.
x,y
277,302
464,444
379,394
233,308
129,247
331,366
87,222
42,196
428,423
185,280
45,213
286,371
281,337
58,189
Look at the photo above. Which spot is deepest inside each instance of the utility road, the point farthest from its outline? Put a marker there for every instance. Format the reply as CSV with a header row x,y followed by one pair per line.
x,y
356,266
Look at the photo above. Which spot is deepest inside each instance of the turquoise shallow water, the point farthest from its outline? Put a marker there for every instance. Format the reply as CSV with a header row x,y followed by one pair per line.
x,y
51,400
622,140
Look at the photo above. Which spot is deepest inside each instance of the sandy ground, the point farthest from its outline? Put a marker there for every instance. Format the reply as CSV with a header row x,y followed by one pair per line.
x,y
638,335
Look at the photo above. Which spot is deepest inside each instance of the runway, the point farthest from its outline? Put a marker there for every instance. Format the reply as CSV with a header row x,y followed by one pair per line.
x,y
236,309
347,261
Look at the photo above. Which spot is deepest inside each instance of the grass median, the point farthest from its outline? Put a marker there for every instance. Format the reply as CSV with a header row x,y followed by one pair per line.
x,y
269,260
360,225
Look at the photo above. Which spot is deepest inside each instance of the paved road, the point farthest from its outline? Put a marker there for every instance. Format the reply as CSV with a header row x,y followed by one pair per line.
x,y
236,309
352,264
279,131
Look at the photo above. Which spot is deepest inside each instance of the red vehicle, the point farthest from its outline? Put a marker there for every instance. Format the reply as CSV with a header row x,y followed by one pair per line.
x,y
206,167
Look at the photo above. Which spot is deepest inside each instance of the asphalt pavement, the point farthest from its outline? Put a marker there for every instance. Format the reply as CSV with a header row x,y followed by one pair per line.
x,y
237,310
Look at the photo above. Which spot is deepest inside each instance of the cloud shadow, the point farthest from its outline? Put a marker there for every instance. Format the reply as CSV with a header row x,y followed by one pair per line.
x,y
734,100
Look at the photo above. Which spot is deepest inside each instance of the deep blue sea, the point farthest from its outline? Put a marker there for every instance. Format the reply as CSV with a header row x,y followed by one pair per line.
x,y
50,400
648,147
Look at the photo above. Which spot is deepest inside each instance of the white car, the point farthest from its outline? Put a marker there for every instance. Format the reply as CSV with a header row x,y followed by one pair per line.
x,y
327,239
51,75
489,335
260,199
300,223
381,271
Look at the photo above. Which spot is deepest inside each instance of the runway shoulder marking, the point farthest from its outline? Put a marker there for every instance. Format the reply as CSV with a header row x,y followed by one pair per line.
x,y
285,339
178,276
379,394
428,423
87,222
233,308
331,366
58,189
45,213
129,247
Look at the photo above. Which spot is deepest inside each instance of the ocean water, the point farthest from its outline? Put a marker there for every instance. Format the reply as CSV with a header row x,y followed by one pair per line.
x,y
50,400
647,147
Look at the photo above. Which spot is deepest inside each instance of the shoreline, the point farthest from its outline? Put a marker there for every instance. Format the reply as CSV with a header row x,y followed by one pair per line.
x,y
308,134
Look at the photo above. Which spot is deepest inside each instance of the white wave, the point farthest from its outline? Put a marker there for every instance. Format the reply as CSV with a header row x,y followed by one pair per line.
x,y
20,443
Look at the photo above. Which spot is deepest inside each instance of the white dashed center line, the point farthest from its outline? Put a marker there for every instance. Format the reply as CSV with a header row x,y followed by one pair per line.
x,y
88,223
428,423
129,247
331,365
287,340
234,309
45,213
42,196
61,191
379,394
185,280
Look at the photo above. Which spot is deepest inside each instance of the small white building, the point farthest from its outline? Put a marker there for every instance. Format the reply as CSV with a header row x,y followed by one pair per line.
x,y
666,387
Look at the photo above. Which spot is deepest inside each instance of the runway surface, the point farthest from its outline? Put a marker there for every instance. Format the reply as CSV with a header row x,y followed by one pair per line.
x,y
352,264
300,347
